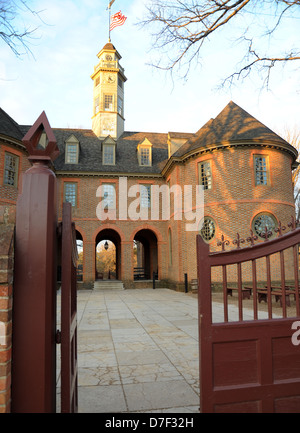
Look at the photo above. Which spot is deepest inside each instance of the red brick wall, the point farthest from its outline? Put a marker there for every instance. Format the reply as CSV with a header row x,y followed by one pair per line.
x,y
7,221
233,202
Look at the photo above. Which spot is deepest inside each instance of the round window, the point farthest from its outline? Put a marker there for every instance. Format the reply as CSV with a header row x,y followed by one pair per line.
x,y
264,222
208,229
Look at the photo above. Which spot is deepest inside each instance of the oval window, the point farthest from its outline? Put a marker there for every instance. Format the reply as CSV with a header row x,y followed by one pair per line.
x,y
208,229
264,222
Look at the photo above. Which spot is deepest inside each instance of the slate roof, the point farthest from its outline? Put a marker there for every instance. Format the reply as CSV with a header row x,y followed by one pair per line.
x,y
233,124
9,127
90,153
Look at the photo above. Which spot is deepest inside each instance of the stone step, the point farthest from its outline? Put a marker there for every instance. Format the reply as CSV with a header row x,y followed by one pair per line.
x,y
108,285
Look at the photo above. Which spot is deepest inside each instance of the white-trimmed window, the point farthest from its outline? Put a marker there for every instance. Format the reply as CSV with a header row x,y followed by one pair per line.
x,y
70,193
11,165
72,150
145,156
145,196
108,102
109,194
205,177
108,154
144,150
261,170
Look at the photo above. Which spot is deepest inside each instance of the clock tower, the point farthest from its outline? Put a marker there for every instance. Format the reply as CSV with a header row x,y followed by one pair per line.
x,y
108,94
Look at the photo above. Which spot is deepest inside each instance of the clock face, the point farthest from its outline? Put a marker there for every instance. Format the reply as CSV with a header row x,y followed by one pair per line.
x,y
110,78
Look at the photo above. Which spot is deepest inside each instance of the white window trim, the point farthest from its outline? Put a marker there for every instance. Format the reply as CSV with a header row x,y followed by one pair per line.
x,y
72,141
76,192
110,146
200,174
267,169
16,172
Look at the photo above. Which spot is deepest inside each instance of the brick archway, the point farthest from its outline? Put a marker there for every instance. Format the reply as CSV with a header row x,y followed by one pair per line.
x,y
112,235
146,244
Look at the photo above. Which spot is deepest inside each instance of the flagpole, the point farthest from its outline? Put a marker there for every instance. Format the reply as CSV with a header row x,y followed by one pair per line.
x,y
109,6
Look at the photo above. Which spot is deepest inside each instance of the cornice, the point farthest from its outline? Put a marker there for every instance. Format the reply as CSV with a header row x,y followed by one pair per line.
x,y
62,173
221,146
12,142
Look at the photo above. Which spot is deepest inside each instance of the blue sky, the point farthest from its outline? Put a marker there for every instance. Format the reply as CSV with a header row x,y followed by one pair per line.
x,y
65,46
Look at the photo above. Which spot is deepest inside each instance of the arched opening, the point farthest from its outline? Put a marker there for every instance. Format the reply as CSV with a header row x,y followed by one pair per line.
x,y
108,255
145,255
79,243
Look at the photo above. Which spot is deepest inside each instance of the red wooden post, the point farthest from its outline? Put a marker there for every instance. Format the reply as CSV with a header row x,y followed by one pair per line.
x,y
34,303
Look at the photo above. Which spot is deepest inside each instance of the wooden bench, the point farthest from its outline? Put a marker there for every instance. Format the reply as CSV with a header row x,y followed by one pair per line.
x,y
262,295
139,274
246,291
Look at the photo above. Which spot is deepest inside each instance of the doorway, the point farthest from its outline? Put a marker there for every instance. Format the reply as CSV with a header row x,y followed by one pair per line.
x,y
108,255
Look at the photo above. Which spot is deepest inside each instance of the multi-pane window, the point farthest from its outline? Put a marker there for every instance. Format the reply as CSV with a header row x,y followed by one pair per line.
x,y
261,170
145,156
120,106
208,229
108,193
11,169
70,193
108,102
97,81
145,196
108,155
264,225
205,175
72,153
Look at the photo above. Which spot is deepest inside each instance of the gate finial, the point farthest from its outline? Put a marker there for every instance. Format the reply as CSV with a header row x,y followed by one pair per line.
x,y
293,224
238,241
223,242
252,238
280,229
40,141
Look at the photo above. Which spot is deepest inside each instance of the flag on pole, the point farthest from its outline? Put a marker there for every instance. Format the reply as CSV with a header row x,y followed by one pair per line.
x,y
117,20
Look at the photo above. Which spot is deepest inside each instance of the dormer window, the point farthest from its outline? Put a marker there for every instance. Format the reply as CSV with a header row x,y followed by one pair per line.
x,y
145,153
72,150
109,151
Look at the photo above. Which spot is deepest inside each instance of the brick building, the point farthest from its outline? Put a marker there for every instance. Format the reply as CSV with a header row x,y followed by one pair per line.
x,y
243,166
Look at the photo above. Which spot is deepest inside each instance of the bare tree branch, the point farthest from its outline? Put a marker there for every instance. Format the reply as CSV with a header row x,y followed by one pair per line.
x,y
181,27
17,39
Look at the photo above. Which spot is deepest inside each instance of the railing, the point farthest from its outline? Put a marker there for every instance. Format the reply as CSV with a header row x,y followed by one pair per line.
x,y
277,257
114,64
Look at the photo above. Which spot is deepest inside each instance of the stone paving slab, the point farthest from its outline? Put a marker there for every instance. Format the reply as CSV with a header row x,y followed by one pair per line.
x,y
138,351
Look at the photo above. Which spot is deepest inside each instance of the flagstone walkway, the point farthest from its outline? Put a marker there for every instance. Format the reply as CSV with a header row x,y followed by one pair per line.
x,y
138,350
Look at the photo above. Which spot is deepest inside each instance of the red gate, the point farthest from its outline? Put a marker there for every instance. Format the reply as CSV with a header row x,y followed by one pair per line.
x,y
69,370
249,365
34,303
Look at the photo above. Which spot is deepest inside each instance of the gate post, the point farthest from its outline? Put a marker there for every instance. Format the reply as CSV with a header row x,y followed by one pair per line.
x,y
34,302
